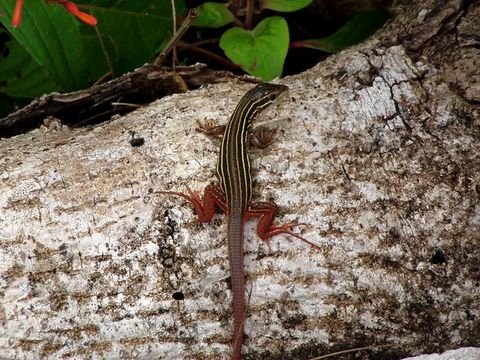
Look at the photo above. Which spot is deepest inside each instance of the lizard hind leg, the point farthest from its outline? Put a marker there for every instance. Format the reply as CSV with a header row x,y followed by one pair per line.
x,y
204,208
266,229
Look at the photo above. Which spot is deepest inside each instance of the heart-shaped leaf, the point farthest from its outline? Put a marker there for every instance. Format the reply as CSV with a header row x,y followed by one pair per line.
x,y
213,15
260,52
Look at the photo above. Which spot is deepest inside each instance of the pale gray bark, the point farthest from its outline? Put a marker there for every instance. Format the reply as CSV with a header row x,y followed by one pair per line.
x,y
468,353
378,152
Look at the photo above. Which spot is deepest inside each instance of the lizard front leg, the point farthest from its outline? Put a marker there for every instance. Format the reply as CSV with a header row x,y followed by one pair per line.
x,y
261,138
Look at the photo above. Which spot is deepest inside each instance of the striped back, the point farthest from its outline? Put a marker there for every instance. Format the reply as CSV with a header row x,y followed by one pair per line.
x,y
233,166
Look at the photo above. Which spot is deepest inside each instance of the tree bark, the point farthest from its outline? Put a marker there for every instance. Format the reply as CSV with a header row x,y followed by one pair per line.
x,y
377,151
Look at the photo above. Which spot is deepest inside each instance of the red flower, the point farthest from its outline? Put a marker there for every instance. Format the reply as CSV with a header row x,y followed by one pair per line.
x,y
70,6
17,13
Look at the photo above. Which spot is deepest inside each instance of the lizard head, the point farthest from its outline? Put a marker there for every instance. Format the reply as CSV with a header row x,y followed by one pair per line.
x,y
264,94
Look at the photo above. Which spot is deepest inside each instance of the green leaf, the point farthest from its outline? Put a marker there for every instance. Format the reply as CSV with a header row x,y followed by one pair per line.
x,y
213,15
20,75
354,31
73,55
260,52
132,31
284,5
52,39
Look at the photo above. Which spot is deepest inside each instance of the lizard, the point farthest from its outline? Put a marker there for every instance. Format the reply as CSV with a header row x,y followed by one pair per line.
x,y
234,194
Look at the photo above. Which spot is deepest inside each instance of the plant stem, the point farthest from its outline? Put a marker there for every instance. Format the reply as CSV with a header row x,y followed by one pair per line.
x,y
192,14
249,15
211,56
174,25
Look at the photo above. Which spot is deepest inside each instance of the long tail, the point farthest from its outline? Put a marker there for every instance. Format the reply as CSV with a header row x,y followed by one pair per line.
x,y
237,275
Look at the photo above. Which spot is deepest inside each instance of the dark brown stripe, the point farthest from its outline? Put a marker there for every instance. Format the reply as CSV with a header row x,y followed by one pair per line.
x,y
233,165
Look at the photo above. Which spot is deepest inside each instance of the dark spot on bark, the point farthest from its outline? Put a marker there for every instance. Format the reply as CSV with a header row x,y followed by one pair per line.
x,y
294,321
63,249
438,257
178,295
137,141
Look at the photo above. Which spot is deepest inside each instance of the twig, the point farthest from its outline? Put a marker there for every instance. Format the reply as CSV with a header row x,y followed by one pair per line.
x,y
126,104
192,14
174,25
355,349
249,15
212,56
105,52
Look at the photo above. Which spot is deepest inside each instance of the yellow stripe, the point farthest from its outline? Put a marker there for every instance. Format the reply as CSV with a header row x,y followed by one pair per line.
x,y
233,166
